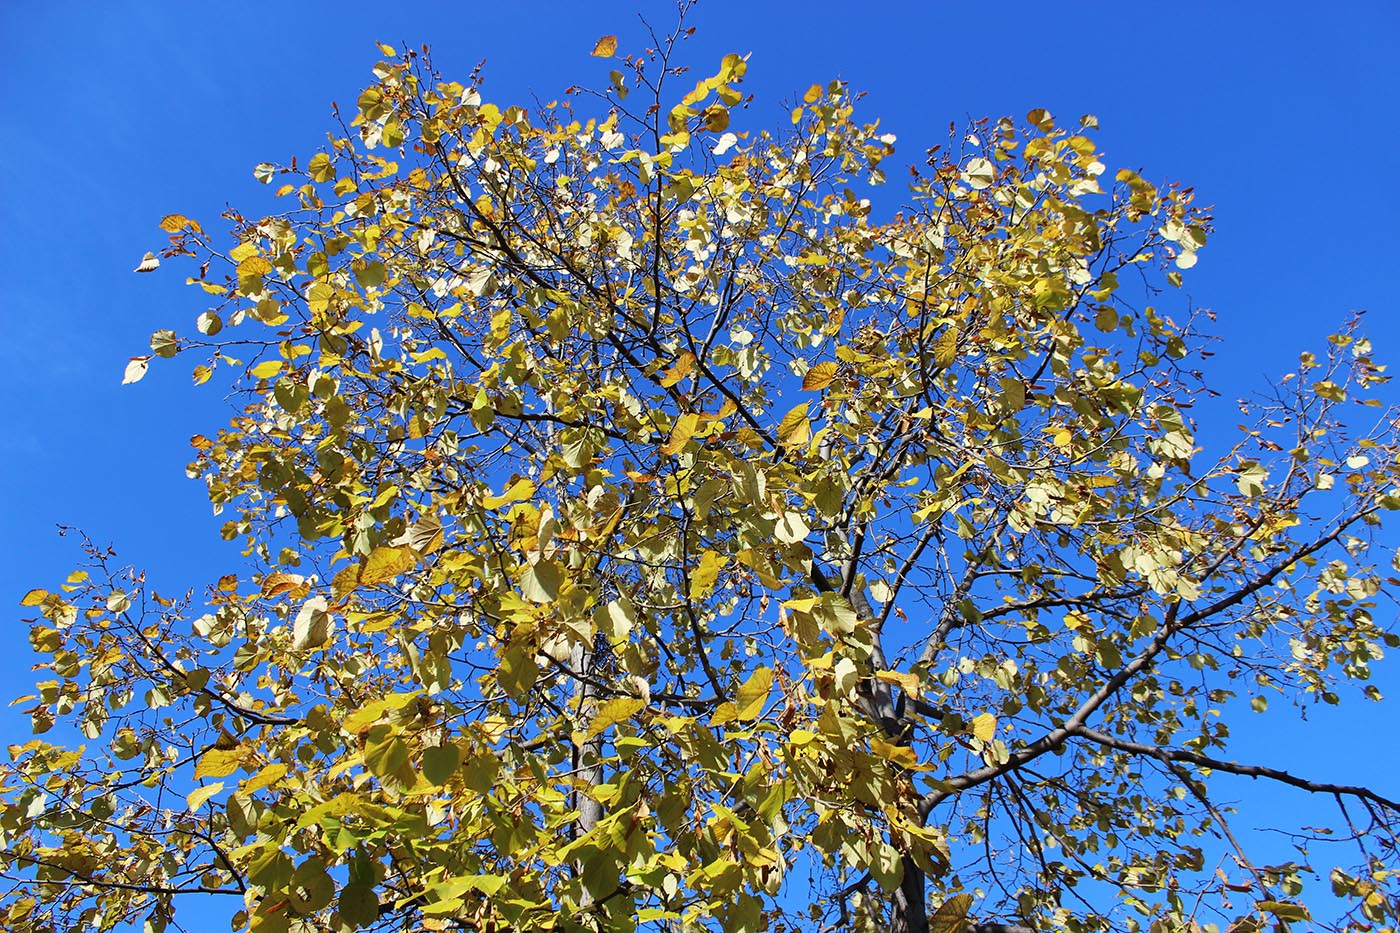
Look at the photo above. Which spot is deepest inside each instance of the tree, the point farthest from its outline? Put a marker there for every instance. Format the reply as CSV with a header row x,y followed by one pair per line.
x,y
642,532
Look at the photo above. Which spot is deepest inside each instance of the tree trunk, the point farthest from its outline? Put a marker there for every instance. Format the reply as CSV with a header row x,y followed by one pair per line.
x,y
909,913
586,766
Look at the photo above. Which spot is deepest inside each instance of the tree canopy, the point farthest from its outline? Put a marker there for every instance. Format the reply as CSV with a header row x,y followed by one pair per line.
x,y
645,530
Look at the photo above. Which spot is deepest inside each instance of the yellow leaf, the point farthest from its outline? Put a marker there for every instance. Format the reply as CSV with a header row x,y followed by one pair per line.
x,y
819,376
242,251
795,429
681,432
612,712
984,726
173,223
517,491
254,265
716,118
344,582
266,370
753,694
34,598
901,755
388,50
909,683
945,351
219,762
385,563
265,778
200,795
951,915
684,366
702,579
605,47
1063,437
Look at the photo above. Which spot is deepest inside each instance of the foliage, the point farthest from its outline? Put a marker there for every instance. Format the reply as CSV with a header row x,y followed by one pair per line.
x,y
644,533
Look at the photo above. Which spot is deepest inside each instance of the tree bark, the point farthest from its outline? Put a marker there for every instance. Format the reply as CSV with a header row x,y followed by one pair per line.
x,y
909,913
586,766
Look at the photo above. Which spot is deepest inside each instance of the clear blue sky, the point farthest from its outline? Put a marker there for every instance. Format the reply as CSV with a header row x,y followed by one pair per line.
x,y
1282,115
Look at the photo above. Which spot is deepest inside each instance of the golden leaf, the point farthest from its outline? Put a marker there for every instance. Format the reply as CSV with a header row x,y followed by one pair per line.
x,y
612,712
684,366
984,726
753,694
219,762
945,350
385,563
819,376
254,265
605,47
681,432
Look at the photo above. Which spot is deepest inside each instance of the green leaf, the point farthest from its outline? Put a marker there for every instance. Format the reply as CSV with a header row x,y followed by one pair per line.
x,y
358,905
440,762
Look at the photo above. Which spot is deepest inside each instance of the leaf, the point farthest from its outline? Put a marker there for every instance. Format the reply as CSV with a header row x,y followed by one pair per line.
x,y
795,430
517,491
242,251
978,173
753,694
820,376
254,265
200,795
384,564
174,223
724,144
541,581
945,349
320,168
984,726
605,47
681,433
266,369
704,576
901,755
278,583
440,762
385,751
268,776
951,915
219,762
358,905
684,366
312,626
34,598
716,118
1284,910
135,369
611,712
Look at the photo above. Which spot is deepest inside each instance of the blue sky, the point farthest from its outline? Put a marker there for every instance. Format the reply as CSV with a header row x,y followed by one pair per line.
x,y
116,113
